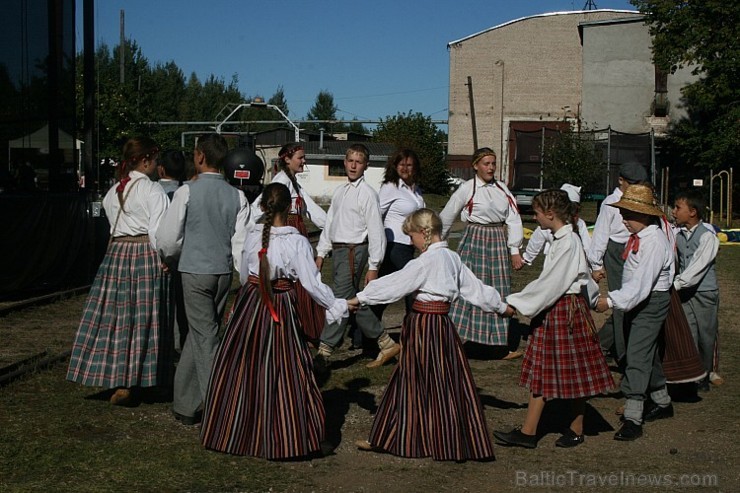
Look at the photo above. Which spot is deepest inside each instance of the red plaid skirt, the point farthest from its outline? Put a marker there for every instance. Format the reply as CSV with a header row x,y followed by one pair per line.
x,y
564,359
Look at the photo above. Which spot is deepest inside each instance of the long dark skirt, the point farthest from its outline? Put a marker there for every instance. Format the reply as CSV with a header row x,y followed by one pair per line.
x,y
431,407
124,338
564,359
262,399
312,315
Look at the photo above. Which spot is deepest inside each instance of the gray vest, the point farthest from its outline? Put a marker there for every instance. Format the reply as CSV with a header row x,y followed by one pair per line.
x,y
209,225
686,250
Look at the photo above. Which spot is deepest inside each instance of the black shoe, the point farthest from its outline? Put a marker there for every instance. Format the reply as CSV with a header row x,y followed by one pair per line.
x,y
187,420
516,438
629,431
569,439
703,385
654,412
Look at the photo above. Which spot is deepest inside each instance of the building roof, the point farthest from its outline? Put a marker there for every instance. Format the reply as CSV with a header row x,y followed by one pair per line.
x,y
332,148
550,14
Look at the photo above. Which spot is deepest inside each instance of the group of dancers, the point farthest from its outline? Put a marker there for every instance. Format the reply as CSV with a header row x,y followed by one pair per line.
x,y
254,388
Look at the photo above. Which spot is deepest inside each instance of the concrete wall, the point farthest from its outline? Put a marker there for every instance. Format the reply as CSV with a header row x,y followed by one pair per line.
x,y
539,77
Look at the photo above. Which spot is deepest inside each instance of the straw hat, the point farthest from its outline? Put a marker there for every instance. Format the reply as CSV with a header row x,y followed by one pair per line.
x,y
639,198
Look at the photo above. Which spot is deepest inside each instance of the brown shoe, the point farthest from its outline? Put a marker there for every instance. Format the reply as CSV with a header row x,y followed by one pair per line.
x,y
384,356
513,355
364,445
715,379
121,397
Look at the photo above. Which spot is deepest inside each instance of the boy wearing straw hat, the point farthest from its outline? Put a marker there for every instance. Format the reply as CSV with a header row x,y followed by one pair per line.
x,y
644,299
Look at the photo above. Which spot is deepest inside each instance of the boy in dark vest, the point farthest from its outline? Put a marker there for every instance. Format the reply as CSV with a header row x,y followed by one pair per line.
x,y
198,227
696,281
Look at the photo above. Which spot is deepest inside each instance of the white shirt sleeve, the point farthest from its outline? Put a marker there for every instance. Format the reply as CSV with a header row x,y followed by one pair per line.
x,y
157,203
310,277
453,207
534,245
375,231
640,276
701,261
171,229
473,290
323,247
315,212
600,238
243,224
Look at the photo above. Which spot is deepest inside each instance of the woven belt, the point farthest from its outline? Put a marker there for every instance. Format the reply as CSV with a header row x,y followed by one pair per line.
x,y
132,239
278,285
487,225
435,307
351,247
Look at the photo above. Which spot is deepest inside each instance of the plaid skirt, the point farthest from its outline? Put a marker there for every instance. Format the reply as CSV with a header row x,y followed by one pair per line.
x,y
563,359
483,249
125,338
263,400
431,406
312,315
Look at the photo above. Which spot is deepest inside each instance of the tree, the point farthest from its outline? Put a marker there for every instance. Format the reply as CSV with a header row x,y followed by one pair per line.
x,y
571,157
702,35
417,132
323,109
278,99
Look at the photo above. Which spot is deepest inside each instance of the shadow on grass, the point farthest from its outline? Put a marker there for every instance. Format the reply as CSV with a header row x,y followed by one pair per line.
x,y
337,402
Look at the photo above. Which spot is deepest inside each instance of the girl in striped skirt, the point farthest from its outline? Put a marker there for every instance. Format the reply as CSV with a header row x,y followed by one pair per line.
x,y
431,406
123,340
291,161
262,398
492,235
563,359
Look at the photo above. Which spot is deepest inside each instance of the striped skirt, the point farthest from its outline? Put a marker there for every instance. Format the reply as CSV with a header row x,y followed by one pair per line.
x,y
483,249
312,315
124,338
431,407
563,359
262,399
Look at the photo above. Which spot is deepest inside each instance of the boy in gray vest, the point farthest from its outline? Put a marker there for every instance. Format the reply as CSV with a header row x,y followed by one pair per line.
x,y
198,227
696,281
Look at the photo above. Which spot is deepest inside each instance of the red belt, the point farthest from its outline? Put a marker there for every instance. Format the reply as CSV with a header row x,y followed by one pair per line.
x,y
435,307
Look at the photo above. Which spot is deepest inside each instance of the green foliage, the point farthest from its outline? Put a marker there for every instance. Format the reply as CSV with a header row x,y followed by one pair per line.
x,y
570,157
703,36
323,109
416,131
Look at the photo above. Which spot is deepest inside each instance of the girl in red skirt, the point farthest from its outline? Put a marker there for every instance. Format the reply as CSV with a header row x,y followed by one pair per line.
x,y
262,398
431,406
291,161
563,359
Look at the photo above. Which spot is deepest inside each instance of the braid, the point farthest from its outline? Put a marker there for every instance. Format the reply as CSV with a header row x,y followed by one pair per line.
x,y
275,203
264,262
574,209
427,232
558,202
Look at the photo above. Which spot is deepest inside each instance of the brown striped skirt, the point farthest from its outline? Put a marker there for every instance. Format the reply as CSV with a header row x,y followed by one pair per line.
x,y
431,406
262,399
311,314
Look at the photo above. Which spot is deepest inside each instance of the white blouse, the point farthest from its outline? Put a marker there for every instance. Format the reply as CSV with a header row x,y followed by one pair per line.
x,y
543,238
146,203
290,256
316,214
436,275
397,202
491,205
609,226
650,269
565,272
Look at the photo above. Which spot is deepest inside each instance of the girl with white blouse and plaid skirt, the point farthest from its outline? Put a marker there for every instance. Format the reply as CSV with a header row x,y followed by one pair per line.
x,y
263,399
563,359
431,406
124,340
492,236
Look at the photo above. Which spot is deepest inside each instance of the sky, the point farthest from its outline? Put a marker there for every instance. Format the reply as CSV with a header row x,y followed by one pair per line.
x,y
377,58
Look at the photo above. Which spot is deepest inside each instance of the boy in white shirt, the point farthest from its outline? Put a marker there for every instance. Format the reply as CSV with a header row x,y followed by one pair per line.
x,y
696,281
644,299
354,234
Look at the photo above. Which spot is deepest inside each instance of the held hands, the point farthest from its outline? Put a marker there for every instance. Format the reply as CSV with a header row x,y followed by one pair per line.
x,y
602,305
598,275
353,305
510,311
516,261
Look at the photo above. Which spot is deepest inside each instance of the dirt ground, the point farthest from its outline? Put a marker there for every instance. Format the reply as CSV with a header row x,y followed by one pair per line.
x,y
697,449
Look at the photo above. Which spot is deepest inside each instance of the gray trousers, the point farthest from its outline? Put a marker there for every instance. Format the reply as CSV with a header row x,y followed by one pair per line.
x,y
702,312
347,282
644,370
205,298
611,335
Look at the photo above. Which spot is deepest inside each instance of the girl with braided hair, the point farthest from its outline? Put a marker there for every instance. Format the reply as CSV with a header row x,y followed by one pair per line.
x,y
489,246
563,359
291,161
431,406
123,341
263,399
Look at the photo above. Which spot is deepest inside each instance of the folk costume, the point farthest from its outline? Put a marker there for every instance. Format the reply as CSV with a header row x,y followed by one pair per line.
x,y
122,340
262,399
493,233
431,406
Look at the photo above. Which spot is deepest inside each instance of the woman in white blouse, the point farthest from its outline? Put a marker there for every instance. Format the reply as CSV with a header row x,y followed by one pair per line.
x,y
489,246
123,341
400,196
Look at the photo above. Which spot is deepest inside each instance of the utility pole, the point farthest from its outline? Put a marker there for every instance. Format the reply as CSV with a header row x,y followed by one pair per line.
x,y
590,5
